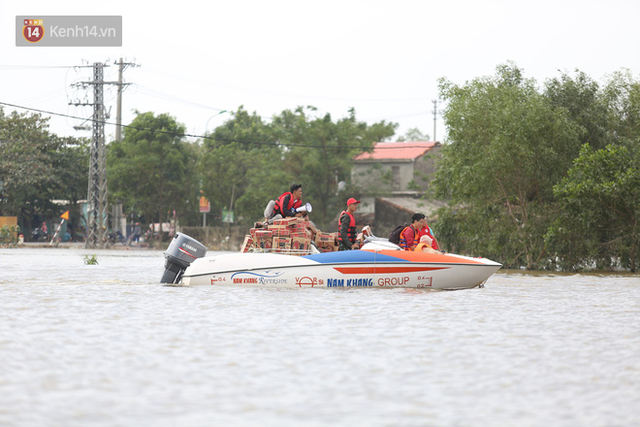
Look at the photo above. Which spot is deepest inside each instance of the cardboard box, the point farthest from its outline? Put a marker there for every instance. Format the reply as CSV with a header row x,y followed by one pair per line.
x,y
280,231
300,245
328,248
312,227
281,244
247,243
323,238
287,222
263,239
299,226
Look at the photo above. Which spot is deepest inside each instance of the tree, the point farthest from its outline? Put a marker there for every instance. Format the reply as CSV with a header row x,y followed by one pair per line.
x,y
37,167
251,162
241,166
509,146
583,99
320,153
414,134
599,199
600,219
26,170
152,169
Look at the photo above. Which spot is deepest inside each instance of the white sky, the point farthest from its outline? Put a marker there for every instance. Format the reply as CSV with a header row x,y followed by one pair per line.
x,y
382,58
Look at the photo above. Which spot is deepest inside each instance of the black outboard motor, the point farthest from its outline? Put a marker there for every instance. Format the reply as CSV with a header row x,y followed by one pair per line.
x,y
182,251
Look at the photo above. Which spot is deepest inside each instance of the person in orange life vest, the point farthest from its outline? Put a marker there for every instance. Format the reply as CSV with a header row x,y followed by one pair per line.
x,y
347,226
425,245
425,230
410,235
287,204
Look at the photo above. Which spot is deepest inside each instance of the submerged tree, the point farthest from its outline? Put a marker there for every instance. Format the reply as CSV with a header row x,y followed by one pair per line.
x,y
509,147
600,221
600,197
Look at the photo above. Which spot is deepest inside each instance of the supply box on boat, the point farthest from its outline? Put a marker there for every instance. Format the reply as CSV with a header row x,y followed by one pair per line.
x,y
292,236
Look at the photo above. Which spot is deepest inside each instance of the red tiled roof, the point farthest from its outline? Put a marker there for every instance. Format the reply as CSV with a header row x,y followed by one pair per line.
x,y
397,150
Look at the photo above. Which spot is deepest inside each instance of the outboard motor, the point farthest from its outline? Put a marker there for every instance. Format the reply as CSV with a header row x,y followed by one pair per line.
x,y
182,251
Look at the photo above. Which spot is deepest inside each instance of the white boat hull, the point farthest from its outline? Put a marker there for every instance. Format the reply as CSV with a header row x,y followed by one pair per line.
x,y
348,269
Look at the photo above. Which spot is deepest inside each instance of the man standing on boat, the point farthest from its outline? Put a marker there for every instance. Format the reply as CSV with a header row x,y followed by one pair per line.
x,y
347,226
411,234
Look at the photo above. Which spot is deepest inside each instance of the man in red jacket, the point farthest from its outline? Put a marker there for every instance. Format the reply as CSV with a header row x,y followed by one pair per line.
x,y
410,236
285,206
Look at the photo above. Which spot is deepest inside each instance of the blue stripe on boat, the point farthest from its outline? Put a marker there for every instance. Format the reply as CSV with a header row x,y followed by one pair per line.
x,y
352,256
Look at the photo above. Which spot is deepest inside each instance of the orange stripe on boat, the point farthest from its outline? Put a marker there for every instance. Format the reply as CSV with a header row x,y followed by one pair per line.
x,y
384,270
413,256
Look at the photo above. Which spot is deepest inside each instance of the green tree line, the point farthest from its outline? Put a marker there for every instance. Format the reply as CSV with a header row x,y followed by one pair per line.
x,y
38,167
159,174
240,166
542,178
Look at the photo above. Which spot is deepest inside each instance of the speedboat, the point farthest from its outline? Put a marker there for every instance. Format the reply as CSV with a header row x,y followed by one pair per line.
x,y
378,264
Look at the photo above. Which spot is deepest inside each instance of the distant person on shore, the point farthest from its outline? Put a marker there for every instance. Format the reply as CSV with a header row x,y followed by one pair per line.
x,y
136,233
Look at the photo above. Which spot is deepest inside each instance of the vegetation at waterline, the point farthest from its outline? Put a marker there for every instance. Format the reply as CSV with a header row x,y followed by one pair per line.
x,y
540,178
9,235
91,259
546,178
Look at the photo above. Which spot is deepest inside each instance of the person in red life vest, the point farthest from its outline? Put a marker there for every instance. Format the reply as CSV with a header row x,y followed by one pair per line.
x,y
347,227
425,230
287,204
411,234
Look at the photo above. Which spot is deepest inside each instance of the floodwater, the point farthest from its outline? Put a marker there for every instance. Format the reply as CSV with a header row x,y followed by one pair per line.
x,y
106,345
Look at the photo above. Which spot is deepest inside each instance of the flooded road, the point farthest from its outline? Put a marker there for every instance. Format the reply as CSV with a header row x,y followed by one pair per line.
x,y
106,345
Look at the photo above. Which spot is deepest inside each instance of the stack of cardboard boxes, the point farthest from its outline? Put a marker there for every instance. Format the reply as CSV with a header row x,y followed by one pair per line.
x,y
291,236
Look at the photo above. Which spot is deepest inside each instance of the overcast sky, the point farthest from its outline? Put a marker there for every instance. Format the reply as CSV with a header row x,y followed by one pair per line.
x,y
197,58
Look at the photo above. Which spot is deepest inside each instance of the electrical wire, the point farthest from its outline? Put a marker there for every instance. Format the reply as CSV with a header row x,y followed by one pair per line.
x,y
188,135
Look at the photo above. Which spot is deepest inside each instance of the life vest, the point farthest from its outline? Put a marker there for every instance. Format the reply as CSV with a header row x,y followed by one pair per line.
x,y
429,232
422,246
403,242
351,231
278,208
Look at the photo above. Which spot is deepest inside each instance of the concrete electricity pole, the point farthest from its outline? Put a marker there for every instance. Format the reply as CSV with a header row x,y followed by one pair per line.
x,y
121,68
435,113
97,192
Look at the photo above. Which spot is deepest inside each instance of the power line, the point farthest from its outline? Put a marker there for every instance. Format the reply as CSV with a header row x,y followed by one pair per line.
x,y
188,135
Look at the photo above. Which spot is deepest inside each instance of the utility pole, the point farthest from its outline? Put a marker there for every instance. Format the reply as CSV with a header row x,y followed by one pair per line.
x,y
119,104
97,213
435,113
121,68
97,191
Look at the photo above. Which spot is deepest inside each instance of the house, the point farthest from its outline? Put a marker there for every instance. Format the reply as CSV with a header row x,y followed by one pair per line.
x,y
394,179
396,167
